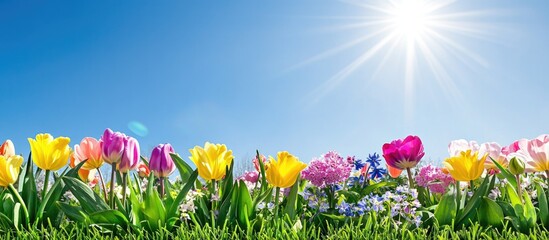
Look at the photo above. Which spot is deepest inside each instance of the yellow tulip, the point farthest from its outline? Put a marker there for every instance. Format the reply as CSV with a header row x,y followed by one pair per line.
x,y
283,173
49,153
466,166
212,160
9,169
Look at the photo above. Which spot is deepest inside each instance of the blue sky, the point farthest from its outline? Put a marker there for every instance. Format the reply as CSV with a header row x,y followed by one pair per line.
x,y
231,72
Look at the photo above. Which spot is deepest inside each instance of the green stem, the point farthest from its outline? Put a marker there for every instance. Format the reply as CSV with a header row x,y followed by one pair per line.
x,y
124,183
23,205
519,189
46,183
277,195
410,180
103,185
458,197
547,175
113,172
162,189
472,185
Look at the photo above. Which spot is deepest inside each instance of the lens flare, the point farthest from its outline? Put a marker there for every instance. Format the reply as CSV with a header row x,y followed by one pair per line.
x,y
138,128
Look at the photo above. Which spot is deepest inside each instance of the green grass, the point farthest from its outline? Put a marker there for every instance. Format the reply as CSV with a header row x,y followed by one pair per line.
x,y
365,231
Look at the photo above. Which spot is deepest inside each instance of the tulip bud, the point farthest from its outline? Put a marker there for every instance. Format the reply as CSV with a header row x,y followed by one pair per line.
x,y
112,146
143,170
7,149
516,166
161,163
130,156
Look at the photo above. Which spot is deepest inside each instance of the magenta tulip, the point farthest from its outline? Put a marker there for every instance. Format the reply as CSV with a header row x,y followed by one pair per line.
x,y
161,163
112,146
130,156
404,154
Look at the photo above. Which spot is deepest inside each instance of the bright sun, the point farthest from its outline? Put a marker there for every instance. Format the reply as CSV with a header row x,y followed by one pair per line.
x,y
409,18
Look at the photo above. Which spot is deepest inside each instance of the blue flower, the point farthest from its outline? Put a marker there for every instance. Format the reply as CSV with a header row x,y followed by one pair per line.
x,y
373,159
377,172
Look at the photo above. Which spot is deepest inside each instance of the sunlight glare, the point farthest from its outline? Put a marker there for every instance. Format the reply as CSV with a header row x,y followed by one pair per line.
x,y
410,18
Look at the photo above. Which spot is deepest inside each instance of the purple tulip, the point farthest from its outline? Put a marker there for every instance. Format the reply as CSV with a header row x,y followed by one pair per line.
x,y
161,163
112,146
403,154
130,156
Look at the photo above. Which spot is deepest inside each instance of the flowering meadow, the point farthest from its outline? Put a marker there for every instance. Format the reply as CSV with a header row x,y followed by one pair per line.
x,y
479,191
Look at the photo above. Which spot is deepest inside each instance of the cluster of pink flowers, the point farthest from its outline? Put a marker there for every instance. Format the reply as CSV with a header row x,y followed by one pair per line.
x,y
434,178
328,170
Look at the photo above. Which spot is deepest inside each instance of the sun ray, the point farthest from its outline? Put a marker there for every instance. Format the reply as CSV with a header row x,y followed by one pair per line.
x,y
426,31
341,75
339,48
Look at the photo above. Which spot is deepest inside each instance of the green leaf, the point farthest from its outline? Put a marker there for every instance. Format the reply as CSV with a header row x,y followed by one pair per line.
x,y
291,200
508,210
153,210
446,209
17,215
224,209
227,183
5,221
264,184
109,217
473,203
529,210
88,199
74,213
350,196
370,188
184,169
57,190
144,160
513,196
490,213
243,204
543,207
505,173
172,212
136,205
27,187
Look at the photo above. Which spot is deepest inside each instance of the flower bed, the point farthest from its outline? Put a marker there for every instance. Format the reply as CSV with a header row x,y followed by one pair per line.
x,y
495,190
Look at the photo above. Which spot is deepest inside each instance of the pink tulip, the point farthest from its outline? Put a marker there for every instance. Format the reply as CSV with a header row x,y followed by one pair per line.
x,y
494,151
544,138
161,163
515,146
89,149
130,156
403,154
112,146
538,152
7,149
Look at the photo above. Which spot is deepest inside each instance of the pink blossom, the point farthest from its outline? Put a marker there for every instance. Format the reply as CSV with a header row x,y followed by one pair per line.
x,y
328,170
434,178
250,176
494,151
256,163
461,145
